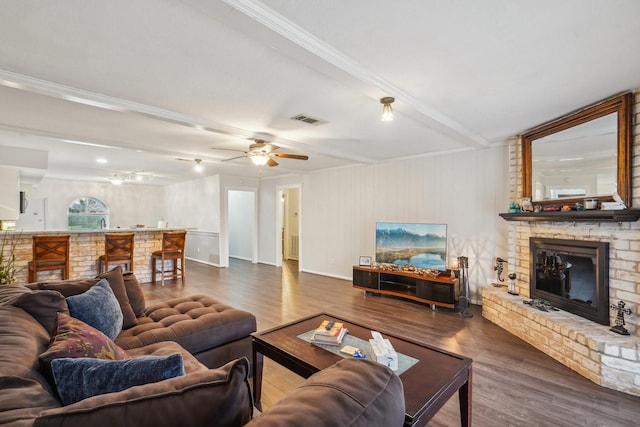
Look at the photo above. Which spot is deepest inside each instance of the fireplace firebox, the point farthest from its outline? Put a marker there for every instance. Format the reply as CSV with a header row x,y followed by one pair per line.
x,y
572,275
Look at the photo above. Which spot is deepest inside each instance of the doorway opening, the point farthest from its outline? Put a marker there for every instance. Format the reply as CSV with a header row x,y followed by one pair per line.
x,y
242,225
288,245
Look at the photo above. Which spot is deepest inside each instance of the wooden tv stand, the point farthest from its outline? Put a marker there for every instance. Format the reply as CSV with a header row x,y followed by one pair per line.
x,y
442,290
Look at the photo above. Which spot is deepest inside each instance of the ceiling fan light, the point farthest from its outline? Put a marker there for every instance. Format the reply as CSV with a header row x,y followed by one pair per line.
x,y
387,111
259,159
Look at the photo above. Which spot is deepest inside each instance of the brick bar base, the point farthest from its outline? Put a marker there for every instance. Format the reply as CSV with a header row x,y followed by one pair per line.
x,y
590,349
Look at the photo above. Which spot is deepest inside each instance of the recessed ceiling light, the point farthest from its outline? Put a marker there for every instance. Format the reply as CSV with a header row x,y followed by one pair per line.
x,y
101,160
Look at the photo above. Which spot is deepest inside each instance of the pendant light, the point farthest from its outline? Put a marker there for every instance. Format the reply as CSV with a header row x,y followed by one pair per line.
x,y
387,111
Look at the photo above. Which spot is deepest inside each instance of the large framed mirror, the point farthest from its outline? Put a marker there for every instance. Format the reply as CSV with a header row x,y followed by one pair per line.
x,y
583,155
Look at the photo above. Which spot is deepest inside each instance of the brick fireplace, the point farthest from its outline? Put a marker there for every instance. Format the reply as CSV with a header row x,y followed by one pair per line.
x,y
606,358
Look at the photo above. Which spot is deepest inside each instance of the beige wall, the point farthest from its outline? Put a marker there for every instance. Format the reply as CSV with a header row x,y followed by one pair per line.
x,y
465,190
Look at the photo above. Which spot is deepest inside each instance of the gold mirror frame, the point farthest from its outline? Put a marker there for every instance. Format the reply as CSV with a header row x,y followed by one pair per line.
x,y
622,105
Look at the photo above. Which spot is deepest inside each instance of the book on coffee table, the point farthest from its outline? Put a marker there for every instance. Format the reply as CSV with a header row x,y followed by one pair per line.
x,y
329,332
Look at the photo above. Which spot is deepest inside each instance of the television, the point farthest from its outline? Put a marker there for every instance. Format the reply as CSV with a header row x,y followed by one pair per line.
x,y
422,245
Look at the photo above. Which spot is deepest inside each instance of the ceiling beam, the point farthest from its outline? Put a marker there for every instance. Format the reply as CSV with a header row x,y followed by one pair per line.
x,y
262,14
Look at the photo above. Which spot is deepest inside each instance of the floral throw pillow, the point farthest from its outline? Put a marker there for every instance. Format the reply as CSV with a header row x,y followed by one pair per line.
x,y
74,338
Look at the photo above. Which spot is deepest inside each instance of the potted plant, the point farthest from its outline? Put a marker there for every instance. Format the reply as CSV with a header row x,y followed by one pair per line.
x,y
8,268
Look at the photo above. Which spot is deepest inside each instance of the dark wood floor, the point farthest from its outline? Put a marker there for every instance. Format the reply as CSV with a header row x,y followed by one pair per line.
x,y
513,383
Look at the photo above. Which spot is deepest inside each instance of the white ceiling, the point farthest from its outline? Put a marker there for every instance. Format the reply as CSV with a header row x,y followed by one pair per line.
x,y
157,80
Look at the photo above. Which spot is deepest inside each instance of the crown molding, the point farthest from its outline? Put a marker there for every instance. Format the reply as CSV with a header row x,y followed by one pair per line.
x,y
262,14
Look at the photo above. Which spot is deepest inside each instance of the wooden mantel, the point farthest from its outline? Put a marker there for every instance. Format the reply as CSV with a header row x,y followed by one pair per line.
x,y
624,215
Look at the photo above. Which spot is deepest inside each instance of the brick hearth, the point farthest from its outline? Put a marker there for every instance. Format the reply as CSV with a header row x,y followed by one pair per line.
x,y
604,357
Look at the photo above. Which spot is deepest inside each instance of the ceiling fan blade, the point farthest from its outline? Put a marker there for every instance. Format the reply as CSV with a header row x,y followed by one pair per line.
x,y
226,149
291,156
272,162
232,158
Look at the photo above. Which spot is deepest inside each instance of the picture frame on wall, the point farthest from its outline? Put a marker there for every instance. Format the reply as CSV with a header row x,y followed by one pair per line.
x,y
365,261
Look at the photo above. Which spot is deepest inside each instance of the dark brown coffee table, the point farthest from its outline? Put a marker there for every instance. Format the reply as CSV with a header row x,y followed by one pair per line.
x,y
428,384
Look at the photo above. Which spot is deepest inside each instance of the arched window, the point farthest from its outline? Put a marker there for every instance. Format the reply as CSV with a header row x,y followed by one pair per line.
x,y
88,213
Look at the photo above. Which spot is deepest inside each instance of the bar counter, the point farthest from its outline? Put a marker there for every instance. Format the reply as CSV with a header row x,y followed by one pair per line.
x,y
85,247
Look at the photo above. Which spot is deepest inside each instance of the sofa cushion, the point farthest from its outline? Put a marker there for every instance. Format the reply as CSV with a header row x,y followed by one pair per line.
x,y
69,288
209,397
22,340
197,323
74,338
99,308
79,378
134,293
353,392
167,348
44,306
10,293
116,281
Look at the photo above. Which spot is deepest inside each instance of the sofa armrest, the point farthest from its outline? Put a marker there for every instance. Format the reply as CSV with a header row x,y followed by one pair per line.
x,y
353,392
220,397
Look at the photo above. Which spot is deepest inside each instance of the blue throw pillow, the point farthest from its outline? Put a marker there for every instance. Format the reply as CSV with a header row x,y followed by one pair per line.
x,y
80,378
99,308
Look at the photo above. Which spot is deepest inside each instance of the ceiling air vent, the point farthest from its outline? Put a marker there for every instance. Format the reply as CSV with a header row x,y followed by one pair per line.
x,y
309,120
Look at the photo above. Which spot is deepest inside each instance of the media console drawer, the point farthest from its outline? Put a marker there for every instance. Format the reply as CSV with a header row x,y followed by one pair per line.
x,y
366,279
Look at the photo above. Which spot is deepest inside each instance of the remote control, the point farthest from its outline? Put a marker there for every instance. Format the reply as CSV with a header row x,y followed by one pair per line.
x,y
330,325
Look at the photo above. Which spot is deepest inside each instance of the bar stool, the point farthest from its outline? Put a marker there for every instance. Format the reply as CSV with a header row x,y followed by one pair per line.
x,y
118,250
172,250
49,253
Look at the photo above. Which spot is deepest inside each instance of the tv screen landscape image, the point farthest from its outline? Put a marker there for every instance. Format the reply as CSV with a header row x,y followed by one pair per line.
x,y
418,244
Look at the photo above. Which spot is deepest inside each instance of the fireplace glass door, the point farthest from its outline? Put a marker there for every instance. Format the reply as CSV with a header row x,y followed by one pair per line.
x,y
571,275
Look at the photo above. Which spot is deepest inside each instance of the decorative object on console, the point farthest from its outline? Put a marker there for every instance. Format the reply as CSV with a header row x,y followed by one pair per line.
x,y
465,301
619,327
365,261
512,284
453,266
407,268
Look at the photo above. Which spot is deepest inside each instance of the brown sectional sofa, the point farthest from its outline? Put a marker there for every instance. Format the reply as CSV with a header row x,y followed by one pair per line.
x,y
215,344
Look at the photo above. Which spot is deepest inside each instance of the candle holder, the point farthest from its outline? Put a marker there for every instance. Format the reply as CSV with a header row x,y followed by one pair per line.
x,y
512,284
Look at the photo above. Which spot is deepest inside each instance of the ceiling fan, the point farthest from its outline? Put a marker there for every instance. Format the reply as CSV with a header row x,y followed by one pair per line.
x,y
262,153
